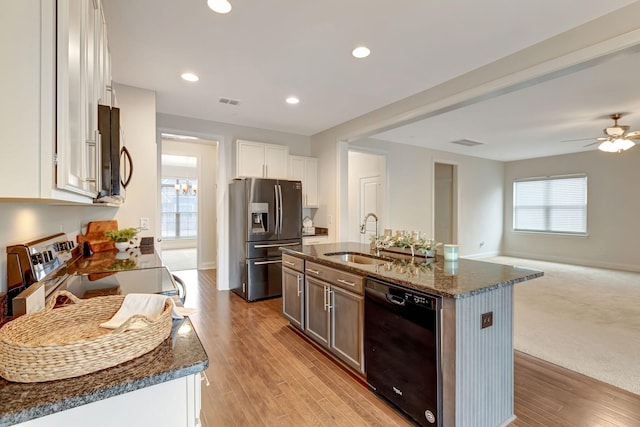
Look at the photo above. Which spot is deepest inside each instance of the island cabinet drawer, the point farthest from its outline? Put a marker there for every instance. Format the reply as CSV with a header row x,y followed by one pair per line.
x,y
293,263
340,278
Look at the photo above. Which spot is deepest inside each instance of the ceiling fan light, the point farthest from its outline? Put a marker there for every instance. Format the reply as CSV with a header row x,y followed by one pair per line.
x,y
608,147
623,144
616,146
219,6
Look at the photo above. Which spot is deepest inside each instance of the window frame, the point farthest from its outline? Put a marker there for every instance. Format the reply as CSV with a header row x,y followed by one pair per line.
x,y
177,212
548,208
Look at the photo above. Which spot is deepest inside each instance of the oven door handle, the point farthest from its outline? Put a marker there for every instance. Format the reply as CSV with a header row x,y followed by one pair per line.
x,y
395,300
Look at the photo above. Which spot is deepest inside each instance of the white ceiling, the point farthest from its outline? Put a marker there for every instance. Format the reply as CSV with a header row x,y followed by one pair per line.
x,y
264,51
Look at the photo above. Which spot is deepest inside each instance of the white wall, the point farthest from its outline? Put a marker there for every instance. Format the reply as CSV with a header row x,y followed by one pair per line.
x,y
207,155
226,135
138,121
410,172
613,210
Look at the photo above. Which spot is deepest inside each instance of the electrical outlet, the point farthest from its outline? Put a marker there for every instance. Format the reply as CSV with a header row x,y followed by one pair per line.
x,y
486,320
144,223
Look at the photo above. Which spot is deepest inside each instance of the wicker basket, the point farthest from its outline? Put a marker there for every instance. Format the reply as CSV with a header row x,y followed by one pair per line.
x,y
68,341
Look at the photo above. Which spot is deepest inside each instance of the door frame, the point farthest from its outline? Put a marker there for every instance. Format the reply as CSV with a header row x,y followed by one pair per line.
x,y
213,143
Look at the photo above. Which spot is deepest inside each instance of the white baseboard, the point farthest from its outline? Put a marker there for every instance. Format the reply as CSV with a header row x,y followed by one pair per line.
x,y
574,261
481,255
208,265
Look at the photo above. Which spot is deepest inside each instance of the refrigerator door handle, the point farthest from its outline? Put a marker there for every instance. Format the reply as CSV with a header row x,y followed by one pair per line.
x,y
280,214
275,194
267,262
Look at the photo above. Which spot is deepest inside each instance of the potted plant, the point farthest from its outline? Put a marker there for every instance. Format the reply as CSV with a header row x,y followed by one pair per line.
x,y
121,238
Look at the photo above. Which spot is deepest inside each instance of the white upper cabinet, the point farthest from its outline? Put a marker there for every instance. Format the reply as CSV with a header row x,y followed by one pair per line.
x,y
260,160
53,82
79,88
305,169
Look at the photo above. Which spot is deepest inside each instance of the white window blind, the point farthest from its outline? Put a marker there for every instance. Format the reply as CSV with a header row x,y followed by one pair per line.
x,y
551,205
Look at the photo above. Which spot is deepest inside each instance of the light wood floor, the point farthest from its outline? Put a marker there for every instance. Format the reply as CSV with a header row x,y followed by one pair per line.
x,y
263,374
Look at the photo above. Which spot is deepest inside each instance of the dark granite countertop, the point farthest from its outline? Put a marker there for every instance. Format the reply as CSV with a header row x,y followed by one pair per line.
x,y
458,279
179,355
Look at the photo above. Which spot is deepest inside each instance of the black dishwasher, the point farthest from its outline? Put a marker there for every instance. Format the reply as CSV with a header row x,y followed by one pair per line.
x,y
402,352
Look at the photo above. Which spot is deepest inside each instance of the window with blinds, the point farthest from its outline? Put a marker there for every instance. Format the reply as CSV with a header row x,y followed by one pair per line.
x,y
551,205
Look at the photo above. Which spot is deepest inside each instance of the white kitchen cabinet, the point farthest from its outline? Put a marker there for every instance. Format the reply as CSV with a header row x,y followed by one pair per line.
x,y
260,160
175,403
314,240
78,83
305,169
53,91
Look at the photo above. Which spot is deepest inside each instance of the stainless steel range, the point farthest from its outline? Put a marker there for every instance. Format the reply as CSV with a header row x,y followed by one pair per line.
x,y
36,269
41,261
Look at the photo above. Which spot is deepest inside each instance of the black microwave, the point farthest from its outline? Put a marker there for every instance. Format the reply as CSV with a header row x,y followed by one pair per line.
x,y
117,166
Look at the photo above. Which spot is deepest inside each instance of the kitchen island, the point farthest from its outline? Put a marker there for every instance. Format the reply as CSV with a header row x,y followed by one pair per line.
x,y
476,356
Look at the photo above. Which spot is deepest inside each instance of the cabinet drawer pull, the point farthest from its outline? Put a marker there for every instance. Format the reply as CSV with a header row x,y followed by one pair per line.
x,y
299,283
344,282
313,271
292,264
203,377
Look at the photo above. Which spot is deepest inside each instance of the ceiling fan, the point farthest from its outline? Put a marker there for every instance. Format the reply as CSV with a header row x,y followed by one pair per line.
x,y
617,139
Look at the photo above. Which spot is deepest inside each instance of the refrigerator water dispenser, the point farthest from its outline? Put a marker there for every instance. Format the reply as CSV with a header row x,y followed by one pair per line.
x,y
259,217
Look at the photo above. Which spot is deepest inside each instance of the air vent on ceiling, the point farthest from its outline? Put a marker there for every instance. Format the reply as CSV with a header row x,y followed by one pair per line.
x,y
467,142
229,101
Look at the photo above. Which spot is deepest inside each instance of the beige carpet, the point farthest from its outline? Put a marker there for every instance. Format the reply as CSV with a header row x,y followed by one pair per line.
x,y
585,319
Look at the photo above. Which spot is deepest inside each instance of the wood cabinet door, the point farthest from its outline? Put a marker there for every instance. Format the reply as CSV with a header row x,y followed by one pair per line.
x,y
347,327
316,313
292,296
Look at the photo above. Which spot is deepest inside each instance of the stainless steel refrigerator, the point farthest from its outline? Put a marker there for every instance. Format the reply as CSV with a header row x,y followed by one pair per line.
x,y
265,214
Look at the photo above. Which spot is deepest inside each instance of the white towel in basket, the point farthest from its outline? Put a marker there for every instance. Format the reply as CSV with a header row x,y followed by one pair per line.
x,y
148,305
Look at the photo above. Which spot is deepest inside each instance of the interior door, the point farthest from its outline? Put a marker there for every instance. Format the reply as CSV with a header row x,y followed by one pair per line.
x,y
444,203
369,202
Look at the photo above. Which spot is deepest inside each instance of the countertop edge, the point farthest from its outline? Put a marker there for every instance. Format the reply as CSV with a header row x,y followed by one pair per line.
x,y
98,395
363,271
108,390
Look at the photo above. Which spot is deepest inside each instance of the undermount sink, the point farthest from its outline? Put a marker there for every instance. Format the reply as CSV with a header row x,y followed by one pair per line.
x,y
356,257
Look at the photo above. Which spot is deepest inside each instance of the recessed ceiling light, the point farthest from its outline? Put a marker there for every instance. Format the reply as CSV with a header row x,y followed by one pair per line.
x,y
292,100
219,6
190,77
361,52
